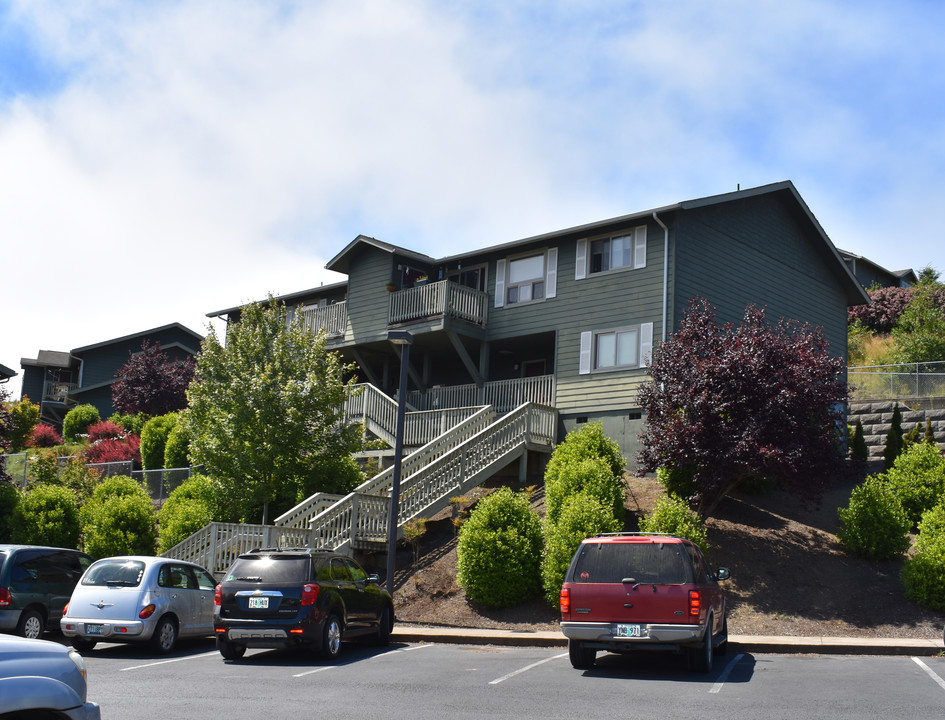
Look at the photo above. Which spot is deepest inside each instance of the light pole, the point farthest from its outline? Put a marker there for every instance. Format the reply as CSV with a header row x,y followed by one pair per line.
x,y
404,339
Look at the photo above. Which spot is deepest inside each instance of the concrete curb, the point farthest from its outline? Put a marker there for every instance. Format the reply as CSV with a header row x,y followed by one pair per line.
x,y
737,643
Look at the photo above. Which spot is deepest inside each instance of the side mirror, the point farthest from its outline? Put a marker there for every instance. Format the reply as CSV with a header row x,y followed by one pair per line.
x,y
722,574
374,579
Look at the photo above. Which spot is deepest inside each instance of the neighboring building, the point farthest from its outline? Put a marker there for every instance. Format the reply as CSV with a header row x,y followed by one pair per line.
x,y
6,373
569,318
871,275
60,380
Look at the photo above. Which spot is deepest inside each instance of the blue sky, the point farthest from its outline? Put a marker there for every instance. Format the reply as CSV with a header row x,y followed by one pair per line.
x,y
162,160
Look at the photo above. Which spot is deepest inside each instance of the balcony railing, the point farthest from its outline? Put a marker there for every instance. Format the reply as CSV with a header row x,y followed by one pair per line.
x,y
439,299
58,391
333,319
503,395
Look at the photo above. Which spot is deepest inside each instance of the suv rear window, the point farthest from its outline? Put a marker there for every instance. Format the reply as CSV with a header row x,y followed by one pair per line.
x,y
271,569
126,573
640,562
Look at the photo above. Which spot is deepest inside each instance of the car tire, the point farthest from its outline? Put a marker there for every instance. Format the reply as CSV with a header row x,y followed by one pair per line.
x,y
699,657
385,626
83,645
31,624
582,657
165,636
331,638
230,651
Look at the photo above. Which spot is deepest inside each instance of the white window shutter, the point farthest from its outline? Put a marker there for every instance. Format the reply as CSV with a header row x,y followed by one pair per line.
x,y
580,260
639,247
585,361
551,273
646,344
500,283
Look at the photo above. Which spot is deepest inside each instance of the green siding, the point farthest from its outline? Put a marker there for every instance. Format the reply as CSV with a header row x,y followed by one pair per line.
x,y
368,299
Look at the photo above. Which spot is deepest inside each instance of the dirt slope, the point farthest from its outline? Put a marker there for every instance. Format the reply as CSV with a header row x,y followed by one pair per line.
x,y
789,575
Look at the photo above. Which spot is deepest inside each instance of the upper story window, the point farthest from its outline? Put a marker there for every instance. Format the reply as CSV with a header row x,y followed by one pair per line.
x,y
617,349
526,278
627,250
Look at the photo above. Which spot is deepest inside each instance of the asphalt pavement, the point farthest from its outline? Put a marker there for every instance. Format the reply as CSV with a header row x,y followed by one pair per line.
x,y
737,643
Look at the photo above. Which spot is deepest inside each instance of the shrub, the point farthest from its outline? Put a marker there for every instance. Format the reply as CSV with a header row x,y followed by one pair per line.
x,y
131,423
893,440
581,516
45,436
43,467
188,508
677,481
918,479
911,437
9,499
78,420
586,441
674,516
923,575
79,477
499,551
24,416
929,436
592,475
114,450
874,525
176,448
47,515
154,439
105,430
119,519
858,449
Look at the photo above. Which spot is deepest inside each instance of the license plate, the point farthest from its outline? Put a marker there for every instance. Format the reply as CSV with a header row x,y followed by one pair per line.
x,y
259,603
93,629
633,631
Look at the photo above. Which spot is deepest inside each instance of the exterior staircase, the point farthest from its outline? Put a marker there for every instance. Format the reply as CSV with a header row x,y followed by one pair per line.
x,y
457,449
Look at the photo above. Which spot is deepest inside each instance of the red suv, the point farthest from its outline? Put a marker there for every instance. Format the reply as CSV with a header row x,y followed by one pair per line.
x,y
627,592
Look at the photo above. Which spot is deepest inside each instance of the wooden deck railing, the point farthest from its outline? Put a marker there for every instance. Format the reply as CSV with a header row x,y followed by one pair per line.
x,y
503,395
333,319
439,299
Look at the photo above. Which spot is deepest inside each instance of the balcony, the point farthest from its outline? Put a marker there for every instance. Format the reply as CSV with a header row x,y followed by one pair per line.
x,y
333,319
55,391
443,299
503,395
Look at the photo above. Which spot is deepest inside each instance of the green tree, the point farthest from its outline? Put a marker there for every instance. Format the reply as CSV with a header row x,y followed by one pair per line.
x,y
24,416
919,336
266,411
47,515
893,448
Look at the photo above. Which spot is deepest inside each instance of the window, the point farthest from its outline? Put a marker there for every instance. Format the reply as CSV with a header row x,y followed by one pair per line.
x,y
627,250
474,277
619,348
526,278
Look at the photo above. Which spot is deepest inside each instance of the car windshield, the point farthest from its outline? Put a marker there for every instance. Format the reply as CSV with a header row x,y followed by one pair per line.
x,y
270,569
125,573
639,562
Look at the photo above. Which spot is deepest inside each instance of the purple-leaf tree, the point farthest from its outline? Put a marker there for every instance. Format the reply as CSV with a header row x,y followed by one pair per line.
x,y
731,404
150,383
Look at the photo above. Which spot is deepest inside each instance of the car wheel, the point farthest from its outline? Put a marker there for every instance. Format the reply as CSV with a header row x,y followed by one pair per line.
x,y
230,651
331,638
582,657
83,645
721,645
385,626
165,636
699,657
31,624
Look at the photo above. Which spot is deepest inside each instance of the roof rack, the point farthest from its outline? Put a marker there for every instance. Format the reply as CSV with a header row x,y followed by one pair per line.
x,y
643,534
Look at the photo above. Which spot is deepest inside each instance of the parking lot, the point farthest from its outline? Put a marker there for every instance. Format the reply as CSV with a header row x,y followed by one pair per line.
x,y
409,680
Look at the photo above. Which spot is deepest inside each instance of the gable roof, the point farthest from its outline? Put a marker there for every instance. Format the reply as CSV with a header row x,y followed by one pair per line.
x,y
144,333
341,262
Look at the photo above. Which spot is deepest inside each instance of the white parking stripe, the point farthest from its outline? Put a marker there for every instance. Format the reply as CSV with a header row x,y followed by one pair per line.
x,y
936,678
316,670
373,657
725,673
165,662
526,669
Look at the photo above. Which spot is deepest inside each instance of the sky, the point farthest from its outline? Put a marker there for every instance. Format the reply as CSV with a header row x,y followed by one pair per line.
x,y
161,160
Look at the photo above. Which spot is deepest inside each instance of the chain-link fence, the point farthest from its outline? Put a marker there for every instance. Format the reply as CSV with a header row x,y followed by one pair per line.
x,y
892,382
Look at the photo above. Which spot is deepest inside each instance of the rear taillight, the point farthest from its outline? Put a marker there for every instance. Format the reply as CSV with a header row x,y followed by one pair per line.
x,y
565,600
309,594
65,610
695,603
5,599
218,596
147,611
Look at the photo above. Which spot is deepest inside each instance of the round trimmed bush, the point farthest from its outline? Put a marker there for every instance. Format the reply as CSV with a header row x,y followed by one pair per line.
x,y
874,525
77,421
154,440
176,448
923,575
586,441
119,519
47,515
673,515
581,516
918,479
591,475
499,551
187,509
